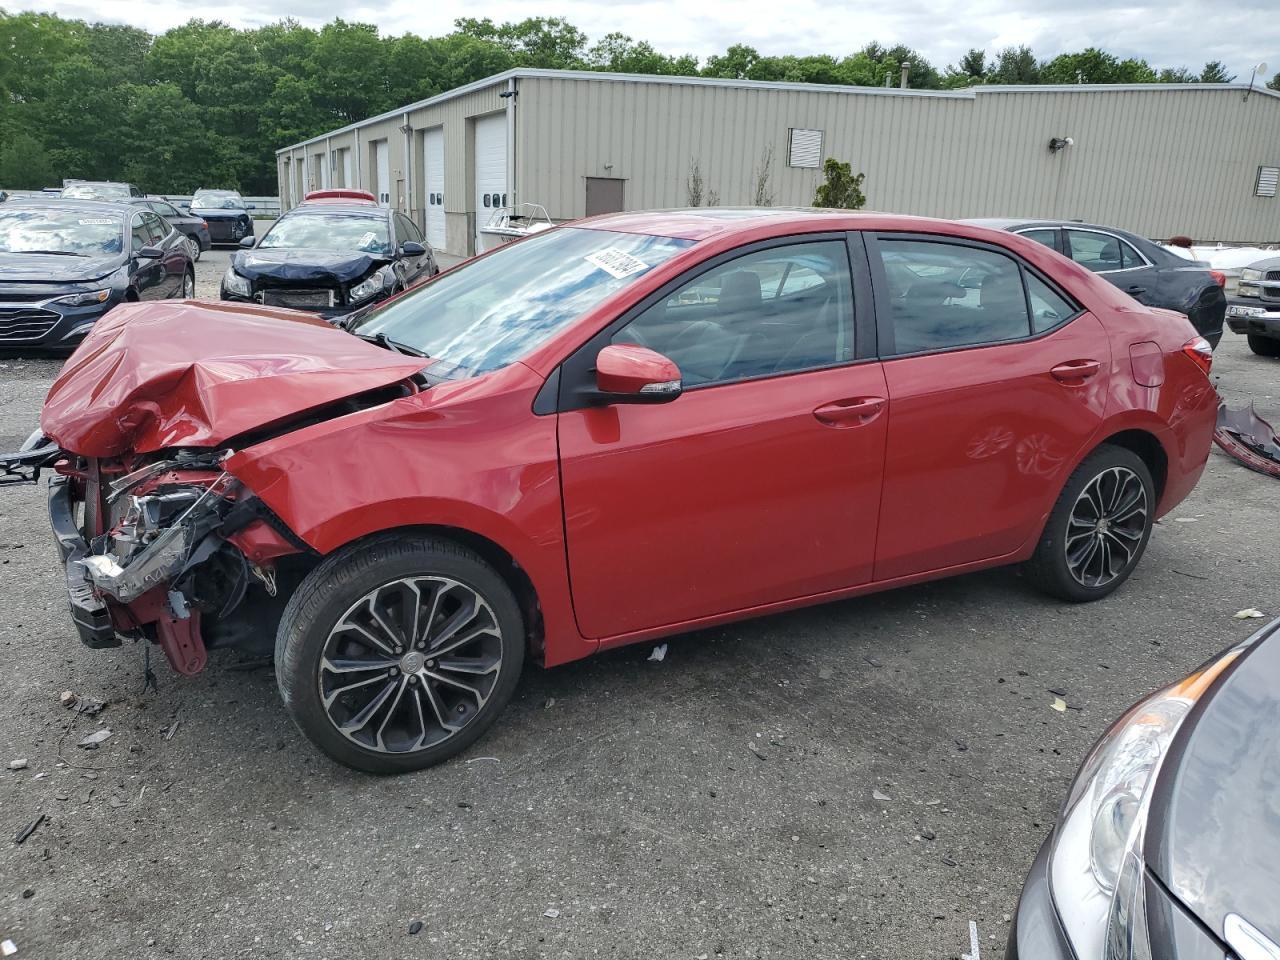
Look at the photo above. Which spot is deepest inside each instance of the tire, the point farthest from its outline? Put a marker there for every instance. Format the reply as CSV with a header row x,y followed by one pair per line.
x,y
193,248
330,627
189,285
1115,475
1264,346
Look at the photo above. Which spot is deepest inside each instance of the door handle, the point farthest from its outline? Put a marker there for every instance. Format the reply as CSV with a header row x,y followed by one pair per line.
x,y
852,412
1075,372
1135,291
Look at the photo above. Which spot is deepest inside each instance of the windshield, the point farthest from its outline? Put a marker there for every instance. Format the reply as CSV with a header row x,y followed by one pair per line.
x,y
330,231
73,232
492,311
210,200
95,191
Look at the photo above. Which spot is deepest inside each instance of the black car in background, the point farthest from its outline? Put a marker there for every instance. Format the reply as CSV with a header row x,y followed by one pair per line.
x,y
1168,847
98,190
1146,271
225,212
335,252
65,263
189,225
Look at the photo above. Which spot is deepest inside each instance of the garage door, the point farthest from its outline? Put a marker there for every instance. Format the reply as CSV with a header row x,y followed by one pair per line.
x,y
433,152
382,154
491,171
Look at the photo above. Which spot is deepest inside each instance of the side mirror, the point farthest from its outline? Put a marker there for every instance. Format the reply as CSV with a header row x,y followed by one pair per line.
x,y
626,373
411,248
246,243
149,253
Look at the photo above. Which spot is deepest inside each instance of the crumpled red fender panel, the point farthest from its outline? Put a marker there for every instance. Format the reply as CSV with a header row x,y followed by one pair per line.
x,y
180,373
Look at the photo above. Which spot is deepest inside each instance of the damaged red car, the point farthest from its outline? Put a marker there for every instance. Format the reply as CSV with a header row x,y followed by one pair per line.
x,y
612,431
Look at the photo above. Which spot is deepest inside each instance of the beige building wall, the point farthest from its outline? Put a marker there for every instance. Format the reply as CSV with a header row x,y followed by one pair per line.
x,y
1158,160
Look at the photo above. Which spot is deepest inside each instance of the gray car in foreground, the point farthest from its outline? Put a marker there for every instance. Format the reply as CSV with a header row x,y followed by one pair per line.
x,y
1168,844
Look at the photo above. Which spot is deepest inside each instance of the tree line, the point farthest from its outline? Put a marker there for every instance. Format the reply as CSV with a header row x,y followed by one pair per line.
x,y
206,104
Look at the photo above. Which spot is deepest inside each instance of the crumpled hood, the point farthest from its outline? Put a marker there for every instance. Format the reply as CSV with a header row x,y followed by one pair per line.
x,y
341,266
175,373
44,268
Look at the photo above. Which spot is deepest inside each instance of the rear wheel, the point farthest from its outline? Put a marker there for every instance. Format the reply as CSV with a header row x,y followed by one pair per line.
x,y
1098,529
398,652
1264,346
193,248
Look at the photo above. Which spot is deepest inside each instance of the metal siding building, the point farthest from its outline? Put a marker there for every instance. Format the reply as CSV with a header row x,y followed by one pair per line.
x,y
1159,160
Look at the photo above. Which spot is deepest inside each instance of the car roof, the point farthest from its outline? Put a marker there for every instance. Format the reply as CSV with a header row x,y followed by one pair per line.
x,y
705,223
68,203
352,207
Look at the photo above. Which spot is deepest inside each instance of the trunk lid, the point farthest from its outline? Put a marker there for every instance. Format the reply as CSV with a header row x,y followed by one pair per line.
x,y
171,373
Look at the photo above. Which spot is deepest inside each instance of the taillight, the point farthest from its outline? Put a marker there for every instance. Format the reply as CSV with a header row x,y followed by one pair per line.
x,y
1200,353
1219,277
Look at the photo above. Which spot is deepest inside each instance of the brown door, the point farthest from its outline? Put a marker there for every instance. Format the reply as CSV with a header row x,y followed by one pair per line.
x,y
604,195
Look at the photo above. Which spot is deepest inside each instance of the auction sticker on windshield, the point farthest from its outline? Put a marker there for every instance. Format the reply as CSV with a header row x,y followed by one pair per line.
x,y
616,262
97,222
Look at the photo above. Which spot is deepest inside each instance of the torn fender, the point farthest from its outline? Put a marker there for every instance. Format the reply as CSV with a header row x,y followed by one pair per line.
x,y
186,374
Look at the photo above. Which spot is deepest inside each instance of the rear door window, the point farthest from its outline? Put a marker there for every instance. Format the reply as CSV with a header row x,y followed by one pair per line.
x,y
1099,252
944,295
1048,237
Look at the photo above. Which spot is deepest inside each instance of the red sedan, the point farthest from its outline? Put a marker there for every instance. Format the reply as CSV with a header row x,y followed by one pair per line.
x,y
613,431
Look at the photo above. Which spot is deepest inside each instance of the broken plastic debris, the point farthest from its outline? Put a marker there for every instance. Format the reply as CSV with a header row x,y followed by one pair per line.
x,y
659,653
28,830
95,739
1249,613
8,948
1185,519
173,728
882,797
1248,438
67,698
1059,704
19,764
551,913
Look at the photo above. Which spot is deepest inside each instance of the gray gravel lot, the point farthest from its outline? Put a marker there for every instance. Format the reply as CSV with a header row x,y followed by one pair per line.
x,y
619,792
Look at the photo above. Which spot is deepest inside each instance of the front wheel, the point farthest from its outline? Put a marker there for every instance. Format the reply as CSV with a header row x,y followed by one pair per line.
x,y
1098,529
1264,346
398,652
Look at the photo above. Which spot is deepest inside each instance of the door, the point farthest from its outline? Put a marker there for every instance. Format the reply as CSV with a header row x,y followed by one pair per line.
x,y
761,482
171,241
604,195
1116,259
433,155
150,277
347,180
990,404
490,173
382,167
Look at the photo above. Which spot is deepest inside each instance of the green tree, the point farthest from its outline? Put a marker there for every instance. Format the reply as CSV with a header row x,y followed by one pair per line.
x,y
547,42
1096,66
1274,82
1013,66
618,53
1215,71
25,164
1177,75
841,189
735,64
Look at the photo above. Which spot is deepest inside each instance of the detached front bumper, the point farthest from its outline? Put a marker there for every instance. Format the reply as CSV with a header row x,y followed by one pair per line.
x,y
88,612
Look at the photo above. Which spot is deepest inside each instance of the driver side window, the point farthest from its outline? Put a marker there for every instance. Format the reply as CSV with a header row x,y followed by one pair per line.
x,y
775,311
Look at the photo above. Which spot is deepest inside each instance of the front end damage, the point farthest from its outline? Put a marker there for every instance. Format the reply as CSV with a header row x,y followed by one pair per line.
x,y
173,550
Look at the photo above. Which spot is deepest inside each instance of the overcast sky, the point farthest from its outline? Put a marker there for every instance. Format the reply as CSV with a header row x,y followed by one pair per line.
x,y
1175,33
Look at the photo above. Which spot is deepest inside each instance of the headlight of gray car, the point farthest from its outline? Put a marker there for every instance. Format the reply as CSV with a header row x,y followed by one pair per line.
x,y
86,299
373,285
1096,868
1248,273
232,282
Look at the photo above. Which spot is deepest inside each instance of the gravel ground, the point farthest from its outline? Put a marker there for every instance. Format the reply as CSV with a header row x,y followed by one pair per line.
x,y
907,765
